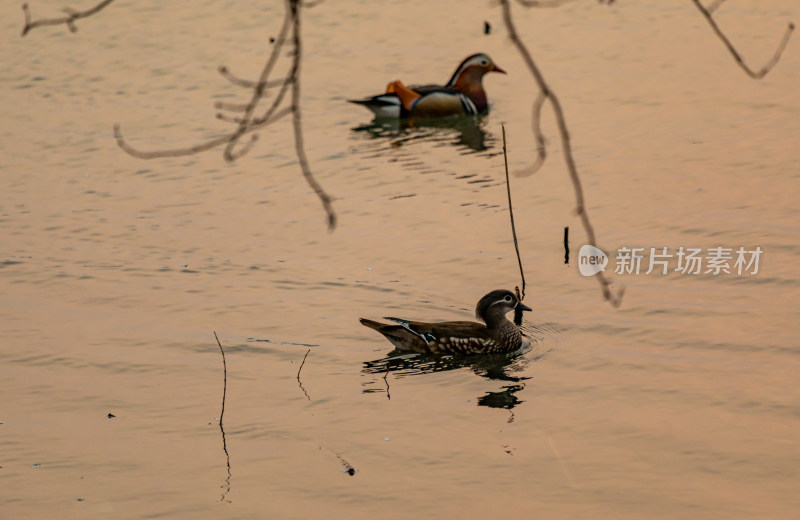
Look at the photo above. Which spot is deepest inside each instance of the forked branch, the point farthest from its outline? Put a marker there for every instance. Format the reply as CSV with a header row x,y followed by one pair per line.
x,y
250,117
763,71
68,20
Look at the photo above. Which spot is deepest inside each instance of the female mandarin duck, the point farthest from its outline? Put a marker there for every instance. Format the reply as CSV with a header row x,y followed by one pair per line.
x,y
463,94
460,337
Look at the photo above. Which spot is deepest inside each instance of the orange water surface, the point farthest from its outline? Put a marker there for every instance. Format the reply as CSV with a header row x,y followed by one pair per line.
x,y
684,402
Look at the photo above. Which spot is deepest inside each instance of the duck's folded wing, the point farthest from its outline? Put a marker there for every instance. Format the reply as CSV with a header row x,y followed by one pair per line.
x,y
419,100
402,336
442,103
438,101
418,329
444,331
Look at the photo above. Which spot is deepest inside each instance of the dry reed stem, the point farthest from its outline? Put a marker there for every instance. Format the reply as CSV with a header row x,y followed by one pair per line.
x,y
520,295
221,413
300,383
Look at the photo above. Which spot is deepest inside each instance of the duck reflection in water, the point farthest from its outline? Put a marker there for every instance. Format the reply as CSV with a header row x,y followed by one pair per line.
x,y
494,367
465,132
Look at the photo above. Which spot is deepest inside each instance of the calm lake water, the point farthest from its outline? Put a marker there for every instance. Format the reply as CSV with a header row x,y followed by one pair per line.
x,y
116,271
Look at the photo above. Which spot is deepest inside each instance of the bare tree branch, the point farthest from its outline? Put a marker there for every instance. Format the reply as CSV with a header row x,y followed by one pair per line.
x,y
230,107
260,86
548,95
763,71
298,130
190,150
543,3
227,74
247,120
68,20
536,127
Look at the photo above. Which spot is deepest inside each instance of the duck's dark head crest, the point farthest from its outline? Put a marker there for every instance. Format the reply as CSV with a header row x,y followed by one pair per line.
x,y
502,297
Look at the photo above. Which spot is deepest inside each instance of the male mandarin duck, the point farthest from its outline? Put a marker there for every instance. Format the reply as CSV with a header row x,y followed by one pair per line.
x,y
460,337
463,94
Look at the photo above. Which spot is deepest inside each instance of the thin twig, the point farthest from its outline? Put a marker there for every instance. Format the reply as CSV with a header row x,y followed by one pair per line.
x,y
247,122
298,130
189,150
231,119
566,146
536,126
543,3
68,20
221,413
224,378
511,214
230,107
258,91
298,376
301,364
246,83
763,71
